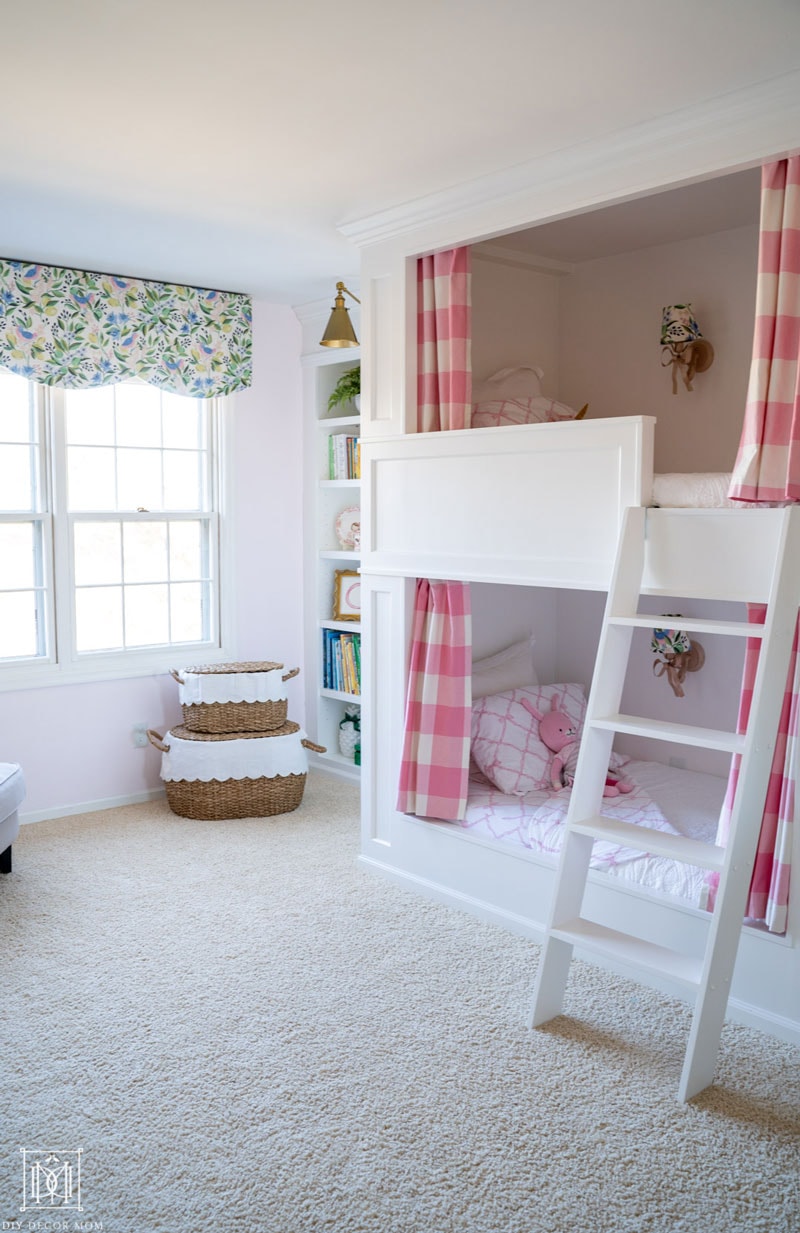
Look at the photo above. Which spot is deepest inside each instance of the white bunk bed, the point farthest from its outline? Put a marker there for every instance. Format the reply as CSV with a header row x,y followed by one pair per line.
x,y
422,517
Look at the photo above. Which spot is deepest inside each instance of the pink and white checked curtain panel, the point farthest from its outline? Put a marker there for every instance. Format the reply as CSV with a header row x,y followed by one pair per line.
x,y
435,769
444,373
434,773
767,469
768,462
769,887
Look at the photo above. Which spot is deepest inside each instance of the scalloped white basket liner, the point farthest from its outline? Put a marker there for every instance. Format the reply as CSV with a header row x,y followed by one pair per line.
x,y
254,758
206,688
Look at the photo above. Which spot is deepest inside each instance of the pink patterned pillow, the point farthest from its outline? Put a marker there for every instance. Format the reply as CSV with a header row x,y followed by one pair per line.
x,y
505,737
536,410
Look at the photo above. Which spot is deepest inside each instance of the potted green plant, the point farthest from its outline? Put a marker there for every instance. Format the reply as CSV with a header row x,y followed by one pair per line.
x,y
347,388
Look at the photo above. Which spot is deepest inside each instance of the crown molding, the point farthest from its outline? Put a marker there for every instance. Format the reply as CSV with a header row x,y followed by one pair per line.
x,y
745,127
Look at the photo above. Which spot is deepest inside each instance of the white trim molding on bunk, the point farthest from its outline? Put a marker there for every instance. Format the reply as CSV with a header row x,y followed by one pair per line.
x,y
500,506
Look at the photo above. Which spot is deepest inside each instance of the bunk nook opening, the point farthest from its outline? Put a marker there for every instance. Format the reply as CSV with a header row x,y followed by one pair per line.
x,y
477,505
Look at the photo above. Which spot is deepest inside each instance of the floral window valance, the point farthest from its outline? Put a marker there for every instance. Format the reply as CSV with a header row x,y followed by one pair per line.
x,y
77,329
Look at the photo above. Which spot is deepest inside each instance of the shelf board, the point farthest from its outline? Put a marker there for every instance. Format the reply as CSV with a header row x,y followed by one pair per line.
x,y
340,695
347,627
340,554
339,421
349,483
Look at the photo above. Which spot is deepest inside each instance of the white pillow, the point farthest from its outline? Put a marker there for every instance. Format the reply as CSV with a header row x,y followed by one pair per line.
x,y
511,668
538,410
509,383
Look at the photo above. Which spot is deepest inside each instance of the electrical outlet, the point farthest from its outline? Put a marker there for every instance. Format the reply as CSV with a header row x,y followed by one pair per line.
x,y
139,735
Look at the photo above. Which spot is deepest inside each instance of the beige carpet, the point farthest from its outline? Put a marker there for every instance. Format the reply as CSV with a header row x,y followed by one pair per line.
x,y
243,1030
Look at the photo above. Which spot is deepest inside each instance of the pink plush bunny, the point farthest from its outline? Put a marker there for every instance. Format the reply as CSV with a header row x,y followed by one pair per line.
x,y
560,735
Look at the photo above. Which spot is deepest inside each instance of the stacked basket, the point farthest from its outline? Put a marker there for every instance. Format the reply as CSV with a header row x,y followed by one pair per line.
x,y
235,755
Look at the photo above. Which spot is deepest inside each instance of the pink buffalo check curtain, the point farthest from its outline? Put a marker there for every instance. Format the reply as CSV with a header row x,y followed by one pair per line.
x,y
767,469
434,773
435,769
444,373
768,463
769,887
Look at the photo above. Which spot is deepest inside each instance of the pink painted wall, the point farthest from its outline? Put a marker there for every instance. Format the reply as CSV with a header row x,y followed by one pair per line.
x,y
609,348
74,741
515,320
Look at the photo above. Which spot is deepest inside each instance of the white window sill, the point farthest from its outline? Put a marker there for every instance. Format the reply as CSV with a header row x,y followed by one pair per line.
x,y
32,675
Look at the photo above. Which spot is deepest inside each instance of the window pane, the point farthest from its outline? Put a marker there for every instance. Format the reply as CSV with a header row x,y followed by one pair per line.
x,y
17,422
98,615
146,616
184,422
17,489
17,624
187,612
139,479
138,415
18,555
145,551
90,478
90,416
182,484
185,555
98,558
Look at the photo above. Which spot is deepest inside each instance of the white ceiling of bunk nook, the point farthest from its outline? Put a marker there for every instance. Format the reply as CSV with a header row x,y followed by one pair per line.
x,y
719,204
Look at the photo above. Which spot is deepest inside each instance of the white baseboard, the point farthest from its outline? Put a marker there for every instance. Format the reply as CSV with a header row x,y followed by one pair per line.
x,y
110,802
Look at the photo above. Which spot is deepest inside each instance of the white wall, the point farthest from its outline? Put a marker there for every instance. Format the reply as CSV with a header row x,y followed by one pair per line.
x,y
609,342
74,741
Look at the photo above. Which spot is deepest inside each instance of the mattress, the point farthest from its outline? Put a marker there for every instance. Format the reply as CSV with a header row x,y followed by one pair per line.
x,y
693,490
690,802
699,490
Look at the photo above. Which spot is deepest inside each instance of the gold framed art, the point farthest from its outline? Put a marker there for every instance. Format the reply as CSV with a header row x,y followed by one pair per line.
x,y
347,595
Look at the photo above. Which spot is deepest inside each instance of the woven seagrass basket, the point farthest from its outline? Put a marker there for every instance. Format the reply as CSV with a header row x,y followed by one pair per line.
x,y
226,717
216,800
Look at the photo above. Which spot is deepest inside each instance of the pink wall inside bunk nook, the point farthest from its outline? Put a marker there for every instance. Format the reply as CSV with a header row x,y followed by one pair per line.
x,y
609,350
566,627
594,330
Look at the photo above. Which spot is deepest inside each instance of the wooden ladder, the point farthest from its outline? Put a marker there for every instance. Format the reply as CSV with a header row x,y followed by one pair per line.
x,y
644,549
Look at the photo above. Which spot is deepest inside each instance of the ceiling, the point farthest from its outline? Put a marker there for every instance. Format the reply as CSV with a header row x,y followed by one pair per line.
x,y
224,144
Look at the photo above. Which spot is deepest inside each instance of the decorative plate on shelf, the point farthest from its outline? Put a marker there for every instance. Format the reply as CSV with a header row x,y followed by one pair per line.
x,y
348,527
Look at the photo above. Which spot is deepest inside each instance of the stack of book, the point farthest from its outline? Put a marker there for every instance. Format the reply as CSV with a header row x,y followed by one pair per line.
x,y
341,661
344,457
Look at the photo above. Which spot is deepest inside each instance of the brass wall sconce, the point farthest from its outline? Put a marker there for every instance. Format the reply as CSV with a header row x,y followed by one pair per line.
x,y
678,654
339,331
683,346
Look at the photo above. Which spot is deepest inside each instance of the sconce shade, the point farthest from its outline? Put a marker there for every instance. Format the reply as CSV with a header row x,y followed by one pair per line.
x,y
678,325
339,331
683,346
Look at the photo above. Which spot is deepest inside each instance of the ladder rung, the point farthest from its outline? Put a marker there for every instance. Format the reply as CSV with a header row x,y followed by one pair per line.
x,y
657,843
600,940
694,625
660,730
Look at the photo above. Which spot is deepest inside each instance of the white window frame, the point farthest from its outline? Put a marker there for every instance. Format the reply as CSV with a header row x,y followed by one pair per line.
x,y
64,664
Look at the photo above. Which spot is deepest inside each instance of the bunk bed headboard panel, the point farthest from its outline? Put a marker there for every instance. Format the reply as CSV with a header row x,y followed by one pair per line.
x,y
711,553
537,504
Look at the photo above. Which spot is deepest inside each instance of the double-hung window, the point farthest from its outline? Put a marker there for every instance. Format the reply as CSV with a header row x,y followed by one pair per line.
x,y
109,530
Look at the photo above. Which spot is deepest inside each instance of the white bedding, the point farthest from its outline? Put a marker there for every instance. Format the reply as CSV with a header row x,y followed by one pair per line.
x,y
689,801
693,490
